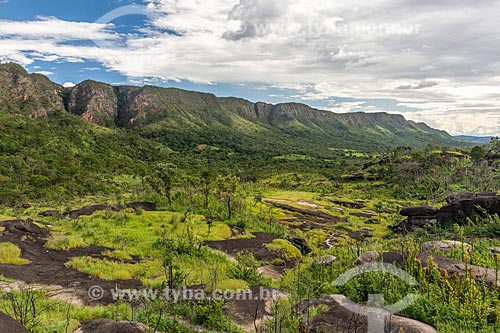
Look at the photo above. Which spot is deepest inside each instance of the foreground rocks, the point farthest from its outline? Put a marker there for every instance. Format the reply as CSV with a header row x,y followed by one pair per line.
x,y
459,207
9,325
454,267
301,244
446,265
340,318
389,257
445,246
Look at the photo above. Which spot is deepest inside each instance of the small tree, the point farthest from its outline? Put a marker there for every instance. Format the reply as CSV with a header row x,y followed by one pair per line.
x,y
477,153
227,189
25,307
163,179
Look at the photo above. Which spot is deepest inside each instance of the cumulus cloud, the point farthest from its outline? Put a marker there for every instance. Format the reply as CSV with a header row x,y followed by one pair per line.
x,y
53,28
68,84
420,85
46,73
417,53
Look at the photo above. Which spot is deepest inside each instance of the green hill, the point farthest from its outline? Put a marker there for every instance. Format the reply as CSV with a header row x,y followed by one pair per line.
x,y
59,141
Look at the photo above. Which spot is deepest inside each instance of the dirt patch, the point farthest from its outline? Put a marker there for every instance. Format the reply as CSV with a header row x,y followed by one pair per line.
x,y
47,267
9,325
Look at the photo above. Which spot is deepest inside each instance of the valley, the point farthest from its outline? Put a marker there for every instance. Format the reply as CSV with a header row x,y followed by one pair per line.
x,y
110,195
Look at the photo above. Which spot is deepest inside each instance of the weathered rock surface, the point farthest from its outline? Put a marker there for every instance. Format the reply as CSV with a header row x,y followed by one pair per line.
x,y
301,244
419,211
9,325
386,257
459,208
445,246
50,213
89,210
340,318
458,268
325,261
94,101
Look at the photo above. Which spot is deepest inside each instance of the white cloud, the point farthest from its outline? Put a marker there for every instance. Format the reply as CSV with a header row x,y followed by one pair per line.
x,y
438,57
53,28
46,73
68,84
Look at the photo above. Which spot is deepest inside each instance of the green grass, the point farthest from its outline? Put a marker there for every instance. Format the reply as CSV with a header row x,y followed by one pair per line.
x,y
132,233
113,270
285,248
10,254
65,241
231,284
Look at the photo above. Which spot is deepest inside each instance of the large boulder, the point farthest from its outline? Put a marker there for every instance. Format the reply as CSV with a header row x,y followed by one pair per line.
x,y
456,198
324,261
459,208
445,246
386,257
419,211
343,316
9,325
467,205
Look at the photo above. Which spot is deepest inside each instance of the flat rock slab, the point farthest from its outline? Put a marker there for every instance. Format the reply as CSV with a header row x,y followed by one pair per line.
x,y
419,211
445,246
344,316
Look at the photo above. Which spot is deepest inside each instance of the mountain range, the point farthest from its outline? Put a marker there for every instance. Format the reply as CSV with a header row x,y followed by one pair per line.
x,y
159,112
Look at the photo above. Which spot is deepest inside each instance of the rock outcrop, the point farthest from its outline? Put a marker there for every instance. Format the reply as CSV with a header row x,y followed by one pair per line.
x,y
459,207
95,102
445,246
341,318
388,257
9,325
33,95
89,210
454,267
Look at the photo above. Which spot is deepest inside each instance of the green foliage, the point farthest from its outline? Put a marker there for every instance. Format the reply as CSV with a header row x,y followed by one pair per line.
x,y
10,254
287,250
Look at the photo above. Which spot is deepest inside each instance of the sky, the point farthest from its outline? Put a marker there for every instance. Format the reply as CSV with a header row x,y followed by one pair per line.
x,y
433,61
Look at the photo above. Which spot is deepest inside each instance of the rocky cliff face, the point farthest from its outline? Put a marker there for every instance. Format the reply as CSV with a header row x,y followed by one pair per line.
x,y
32,95
93,101
175,109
